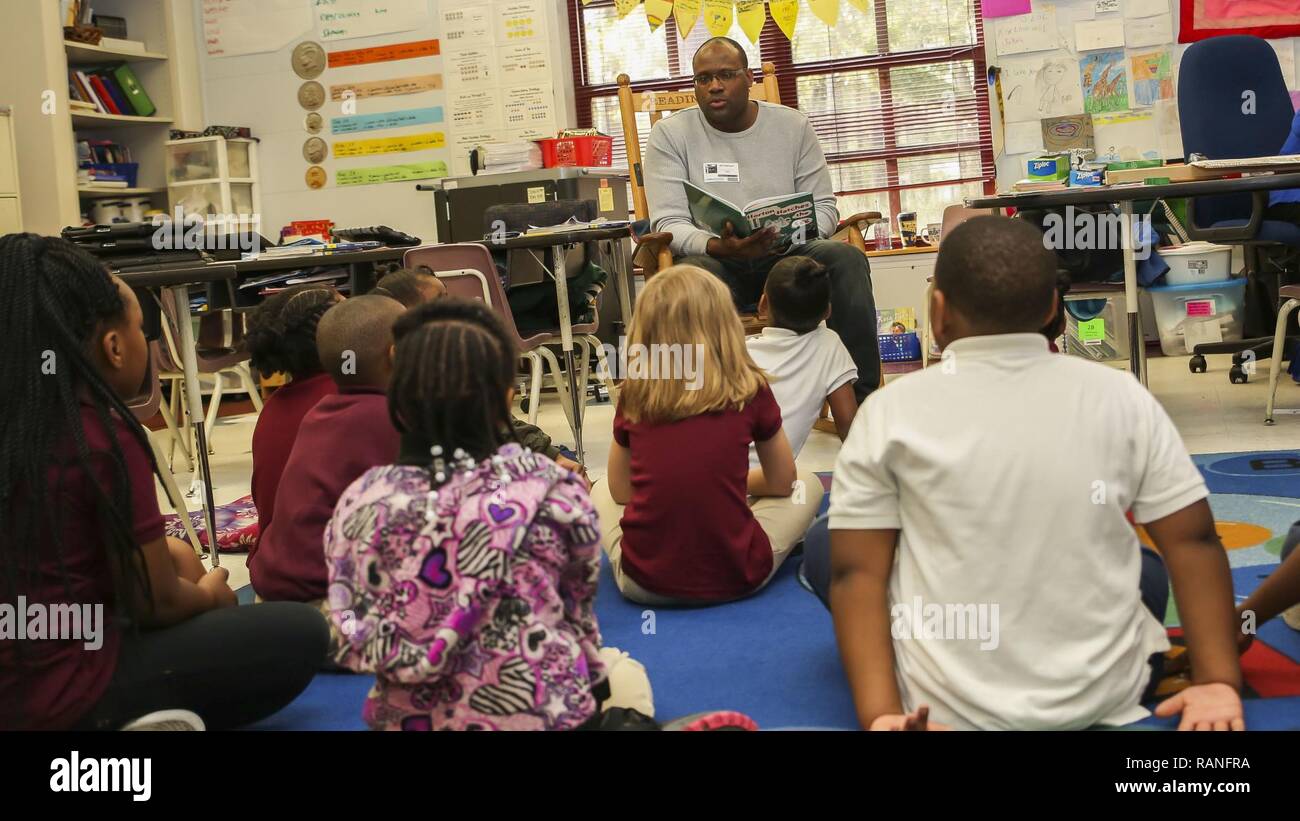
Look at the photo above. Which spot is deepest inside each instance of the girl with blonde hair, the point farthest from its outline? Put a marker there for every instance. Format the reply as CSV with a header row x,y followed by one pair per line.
x,y
684,519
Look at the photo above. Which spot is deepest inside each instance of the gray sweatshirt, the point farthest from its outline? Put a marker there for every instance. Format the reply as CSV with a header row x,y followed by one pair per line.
x,y
779,154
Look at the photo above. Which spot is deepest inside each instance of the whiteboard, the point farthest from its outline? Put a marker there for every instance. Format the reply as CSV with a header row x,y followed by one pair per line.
x,y
261,91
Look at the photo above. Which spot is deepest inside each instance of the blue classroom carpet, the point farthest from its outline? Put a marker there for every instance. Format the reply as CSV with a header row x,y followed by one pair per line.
x,y
773,656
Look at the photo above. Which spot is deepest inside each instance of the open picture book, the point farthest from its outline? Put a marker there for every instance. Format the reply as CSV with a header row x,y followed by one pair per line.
x,y
794,216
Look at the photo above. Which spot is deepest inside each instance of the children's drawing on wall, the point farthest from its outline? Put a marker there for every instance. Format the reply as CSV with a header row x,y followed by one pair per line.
x,y
1104,81
1153,78
1126,136
1066,133
1038,87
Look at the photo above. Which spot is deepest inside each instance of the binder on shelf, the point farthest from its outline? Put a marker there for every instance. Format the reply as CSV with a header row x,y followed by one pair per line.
x,y
134,92
105,98
115,91
83,79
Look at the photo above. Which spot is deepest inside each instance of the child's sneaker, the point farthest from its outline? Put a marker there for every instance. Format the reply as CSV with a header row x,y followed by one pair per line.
x,y
167,721
1292,617
629,686
713,721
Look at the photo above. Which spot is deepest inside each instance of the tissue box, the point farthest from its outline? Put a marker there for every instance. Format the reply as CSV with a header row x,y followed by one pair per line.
x,y
1050,167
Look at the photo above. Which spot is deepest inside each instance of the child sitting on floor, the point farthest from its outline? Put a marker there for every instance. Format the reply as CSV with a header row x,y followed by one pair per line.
x,y
806,363
342,437
161,639
413,287
464,575
282,339
980,561
410,286
678,524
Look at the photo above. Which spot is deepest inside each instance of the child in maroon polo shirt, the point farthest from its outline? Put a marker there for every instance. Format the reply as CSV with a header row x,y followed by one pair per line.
x,y
282,339
340,438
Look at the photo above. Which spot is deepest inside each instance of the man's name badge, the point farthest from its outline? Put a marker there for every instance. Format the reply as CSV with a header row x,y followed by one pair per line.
x,y
721,172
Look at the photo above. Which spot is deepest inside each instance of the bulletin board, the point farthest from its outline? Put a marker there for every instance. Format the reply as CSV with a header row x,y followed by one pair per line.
x,y
355,102
1101,74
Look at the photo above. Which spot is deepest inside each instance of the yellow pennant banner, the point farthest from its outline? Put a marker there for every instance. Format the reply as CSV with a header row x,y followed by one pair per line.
x,y
686,12
863,6
752,16
828,11
624,7
657,11
786,14
717,17
388,145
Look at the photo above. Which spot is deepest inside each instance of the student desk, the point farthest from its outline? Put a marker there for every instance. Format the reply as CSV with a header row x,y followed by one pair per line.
x,y
558,244
360,264
176,282
1125,196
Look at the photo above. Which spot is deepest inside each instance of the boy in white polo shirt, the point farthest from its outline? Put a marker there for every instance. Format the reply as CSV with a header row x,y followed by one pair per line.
x,y
806,362
980,563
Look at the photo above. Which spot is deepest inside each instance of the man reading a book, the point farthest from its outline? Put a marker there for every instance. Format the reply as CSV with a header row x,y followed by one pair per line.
x,y
743,150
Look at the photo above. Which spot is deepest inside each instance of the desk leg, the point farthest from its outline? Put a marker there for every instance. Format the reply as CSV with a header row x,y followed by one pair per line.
x,y
194,399
361,276
1137,346
622,282
576,396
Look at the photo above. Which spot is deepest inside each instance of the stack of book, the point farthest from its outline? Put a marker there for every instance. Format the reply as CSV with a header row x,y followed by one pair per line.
x,y
104,164
1027,186
111,90
501,158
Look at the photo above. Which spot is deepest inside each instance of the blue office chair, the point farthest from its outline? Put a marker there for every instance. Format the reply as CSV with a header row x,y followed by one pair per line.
x,y
1216,79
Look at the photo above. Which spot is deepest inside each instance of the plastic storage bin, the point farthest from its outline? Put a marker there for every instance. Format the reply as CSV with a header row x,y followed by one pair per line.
x,y
1197,263
1096,326
583,152
1178,307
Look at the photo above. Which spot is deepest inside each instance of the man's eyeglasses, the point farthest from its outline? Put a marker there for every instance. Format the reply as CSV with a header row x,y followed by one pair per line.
x,y
726,75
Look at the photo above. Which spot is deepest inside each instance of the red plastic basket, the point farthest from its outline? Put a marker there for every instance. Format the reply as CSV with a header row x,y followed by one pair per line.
x,y
584,152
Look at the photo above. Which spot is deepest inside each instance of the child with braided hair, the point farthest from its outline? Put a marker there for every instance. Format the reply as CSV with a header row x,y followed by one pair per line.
x,y
282,339
80,530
